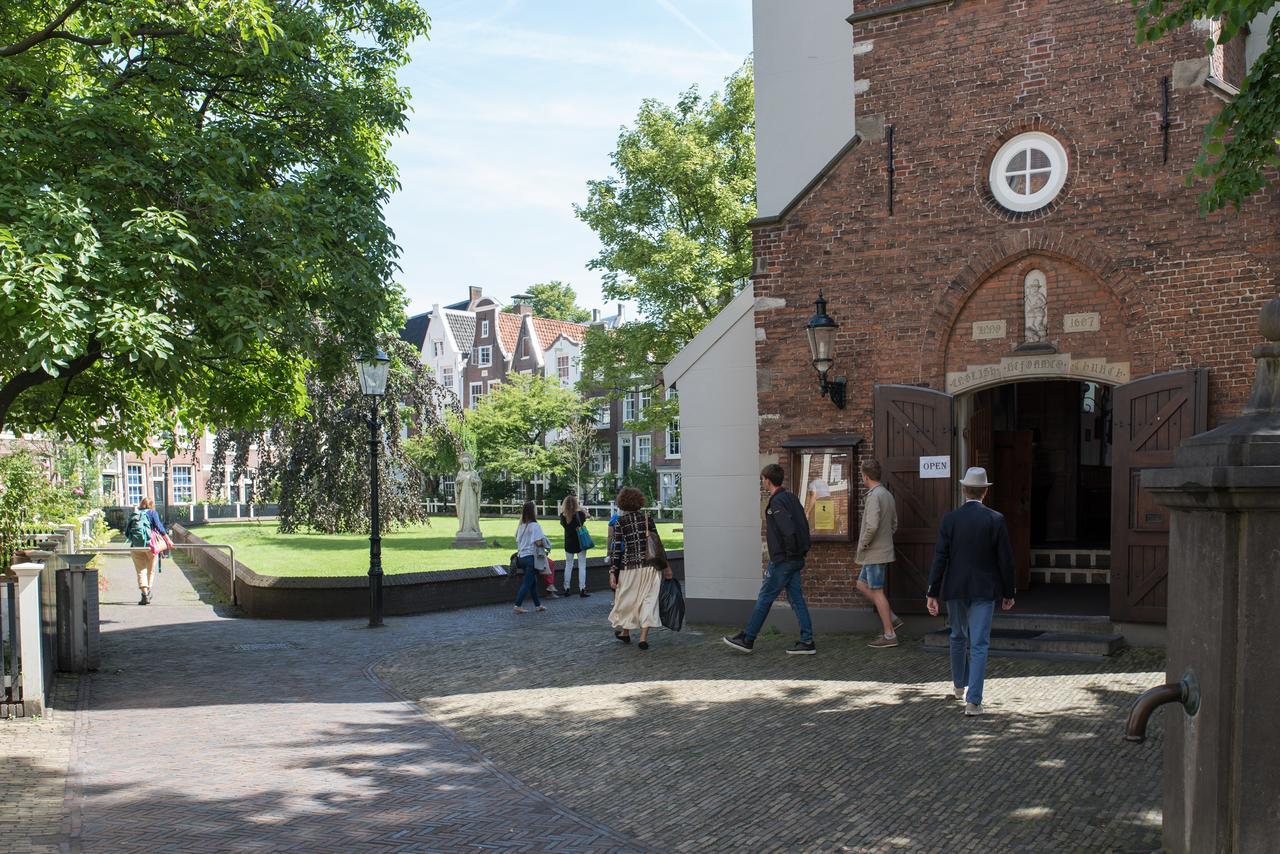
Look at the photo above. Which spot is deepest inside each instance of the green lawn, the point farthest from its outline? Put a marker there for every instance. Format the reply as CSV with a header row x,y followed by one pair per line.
x,y
416,549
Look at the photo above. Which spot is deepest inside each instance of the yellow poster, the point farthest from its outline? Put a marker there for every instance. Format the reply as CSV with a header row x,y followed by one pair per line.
x,y
824,515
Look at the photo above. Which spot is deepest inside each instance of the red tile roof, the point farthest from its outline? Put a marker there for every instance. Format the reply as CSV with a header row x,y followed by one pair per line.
x,y
508,330
549,330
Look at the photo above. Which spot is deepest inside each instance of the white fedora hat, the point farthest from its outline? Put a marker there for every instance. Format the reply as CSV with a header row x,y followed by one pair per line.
x,y
975,477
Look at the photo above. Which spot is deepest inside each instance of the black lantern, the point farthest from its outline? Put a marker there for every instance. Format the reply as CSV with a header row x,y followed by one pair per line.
x,y
821,330
373,383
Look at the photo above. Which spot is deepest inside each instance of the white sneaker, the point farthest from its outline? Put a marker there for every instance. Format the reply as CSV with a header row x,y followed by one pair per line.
x,y
972,711
959,692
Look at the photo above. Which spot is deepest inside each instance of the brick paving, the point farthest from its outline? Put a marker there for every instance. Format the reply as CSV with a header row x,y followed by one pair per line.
x,y
203,732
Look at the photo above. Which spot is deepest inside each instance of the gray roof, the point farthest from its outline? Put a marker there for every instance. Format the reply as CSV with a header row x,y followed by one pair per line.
x,y
463,325
415,330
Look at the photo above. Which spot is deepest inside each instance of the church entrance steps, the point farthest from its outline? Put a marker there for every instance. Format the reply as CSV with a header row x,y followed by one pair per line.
x,y
1052,636
1070,566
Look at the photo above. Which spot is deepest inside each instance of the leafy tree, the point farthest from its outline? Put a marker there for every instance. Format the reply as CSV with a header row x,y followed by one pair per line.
x,y
643,477
190,206
514,421
438,453
318,464
557,301
673,225
1240,144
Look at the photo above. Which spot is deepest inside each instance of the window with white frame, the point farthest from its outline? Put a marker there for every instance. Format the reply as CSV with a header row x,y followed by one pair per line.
x,y
477,392
600,460
629,407
437,348
183,484
562,369
133,484
603,411
484,357
1028,172
646,398
673,429
644,449
669,488
494,384
524,348
484,329
446,378
447,485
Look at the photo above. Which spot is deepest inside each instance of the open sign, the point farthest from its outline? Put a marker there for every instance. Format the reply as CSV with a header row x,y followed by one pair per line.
x,y
935,467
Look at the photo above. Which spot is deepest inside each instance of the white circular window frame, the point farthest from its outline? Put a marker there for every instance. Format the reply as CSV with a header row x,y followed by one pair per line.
x,y
1019,203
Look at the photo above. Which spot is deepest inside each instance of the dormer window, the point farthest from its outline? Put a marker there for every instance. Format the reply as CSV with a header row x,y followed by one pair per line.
x,y
484,329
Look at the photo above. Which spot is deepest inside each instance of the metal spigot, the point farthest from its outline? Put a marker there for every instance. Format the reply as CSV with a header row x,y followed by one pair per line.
x,y
1186,692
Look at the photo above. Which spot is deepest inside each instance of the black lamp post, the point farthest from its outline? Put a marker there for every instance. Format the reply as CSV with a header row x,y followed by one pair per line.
x,y
821,330
373,382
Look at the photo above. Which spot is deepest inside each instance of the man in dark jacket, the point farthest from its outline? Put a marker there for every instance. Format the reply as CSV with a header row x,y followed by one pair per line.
x,y
787,534
972,567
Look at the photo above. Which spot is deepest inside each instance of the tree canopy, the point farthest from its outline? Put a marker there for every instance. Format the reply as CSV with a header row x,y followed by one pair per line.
x,y
1243,141
557,301
190,207
513,422
673,224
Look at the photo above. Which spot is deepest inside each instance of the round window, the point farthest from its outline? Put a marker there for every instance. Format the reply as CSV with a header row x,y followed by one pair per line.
x,y
1028,172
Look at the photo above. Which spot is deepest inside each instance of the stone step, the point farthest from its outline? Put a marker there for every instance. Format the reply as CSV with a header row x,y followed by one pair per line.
x,y
1099,625
1034,643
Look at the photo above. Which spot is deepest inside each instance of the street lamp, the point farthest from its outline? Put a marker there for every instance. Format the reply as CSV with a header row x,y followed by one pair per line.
x,y
821,330
373,383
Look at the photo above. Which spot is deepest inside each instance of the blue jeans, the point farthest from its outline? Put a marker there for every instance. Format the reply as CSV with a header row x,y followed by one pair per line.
x,y
873,574
529,584
781,575
970,637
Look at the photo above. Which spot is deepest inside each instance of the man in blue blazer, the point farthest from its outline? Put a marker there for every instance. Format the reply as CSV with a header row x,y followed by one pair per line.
x,y
972,567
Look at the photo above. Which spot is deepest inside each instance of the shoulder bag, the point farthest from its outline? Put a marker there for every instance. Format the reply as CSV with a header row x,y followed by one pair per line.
x,y
584,536
654,550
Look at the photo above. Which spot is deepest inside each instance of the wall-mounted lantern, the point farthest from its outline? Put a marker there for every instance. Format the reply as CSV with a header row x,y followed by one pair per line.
x,y
821,330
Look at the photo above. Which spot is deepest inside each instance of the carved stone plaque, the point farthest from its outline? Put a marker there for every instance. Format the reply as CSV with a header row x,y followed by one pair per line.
x,y
1050,366
1089,321
984,330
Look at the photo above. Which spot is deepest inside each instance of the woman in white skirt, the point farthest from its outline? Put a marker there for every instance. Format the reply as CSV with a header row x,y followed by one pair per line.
x,y
635,580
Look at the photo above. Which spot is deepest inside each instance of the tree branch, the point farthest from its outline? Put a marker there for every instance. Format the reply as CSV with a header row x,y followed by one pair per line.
x,y
10,390
43,35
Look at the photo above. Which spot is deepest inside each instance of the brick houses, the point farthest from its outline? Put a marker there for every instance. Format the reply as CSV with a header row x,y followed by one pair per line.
x,y
1021,276
474,345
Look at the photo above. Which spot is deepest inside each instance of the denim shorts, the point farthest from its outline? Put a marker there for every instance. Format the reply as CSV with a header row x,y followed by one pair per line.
x,y
873,574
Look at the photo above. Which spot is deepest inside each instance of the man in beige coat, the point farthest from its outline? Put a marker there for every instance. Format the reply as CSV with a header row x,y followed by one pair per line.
x,y
875,551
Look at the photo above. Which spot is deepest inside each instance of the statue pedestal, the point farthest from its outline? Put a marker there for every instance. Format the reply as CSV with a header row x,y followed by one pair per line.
x,y
469,540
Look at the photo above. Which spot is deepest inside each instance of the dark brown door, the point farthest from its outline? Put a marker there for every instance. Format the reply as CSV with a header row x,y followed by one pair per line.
x,y
1011,495
912,423
1152,416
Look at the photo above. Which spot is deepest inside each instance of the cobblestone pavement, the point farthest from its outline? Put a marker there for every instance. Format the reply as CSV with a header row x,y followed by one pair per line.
x,y
693,747
203,732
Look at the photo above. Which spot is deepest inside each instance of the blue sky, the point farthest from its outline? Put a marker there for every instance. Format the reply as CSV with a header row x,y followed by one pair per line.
x,y
516,105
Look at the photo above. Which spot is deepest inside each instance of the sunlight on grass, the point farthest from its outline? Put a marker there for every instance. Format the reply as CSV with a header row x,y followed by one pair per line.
x,y
419,548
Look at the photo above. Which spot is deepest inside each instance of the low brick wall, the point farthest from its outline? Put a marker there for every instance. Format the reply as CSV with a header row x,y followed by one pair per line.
x,y
282,598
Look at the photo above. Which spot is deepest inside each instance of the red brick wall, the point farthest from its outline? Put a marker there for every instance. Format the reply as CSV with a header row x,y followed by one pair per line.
x,y
1125,238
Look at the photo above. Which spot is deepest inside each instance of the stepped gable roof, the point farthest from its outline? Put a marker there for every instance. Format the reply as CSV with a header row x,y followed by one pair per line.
x,y
463,326
415,330
549,330
508,330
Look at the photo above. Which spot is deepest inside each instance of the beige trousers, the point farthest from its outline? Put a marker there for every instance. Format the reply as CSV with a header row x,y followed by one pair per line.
x,y
144,564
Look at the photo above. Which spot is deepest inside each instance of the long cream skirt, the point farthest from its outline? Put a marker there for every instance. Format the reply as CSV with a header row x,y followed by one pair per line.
x,y
635,602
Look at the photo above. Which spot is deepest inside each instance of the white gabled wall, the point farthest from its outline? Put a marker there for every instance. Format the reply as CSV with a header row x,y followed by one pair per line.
x,y
804,93
1259,33
438,330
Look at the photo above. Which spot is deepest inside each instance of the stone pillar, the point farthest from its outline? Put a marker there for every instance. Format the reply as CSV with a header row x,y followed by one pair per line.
x,y
1221,789
30,650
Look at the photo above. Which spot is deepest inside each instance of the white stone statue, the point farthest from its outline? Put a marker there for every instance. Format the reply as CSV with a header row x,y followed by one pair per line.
x,y
1037,307
466,490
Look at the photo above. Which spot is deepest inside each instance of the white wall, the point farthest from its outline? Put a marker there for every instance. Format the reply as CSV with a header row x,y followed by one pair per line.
x,y
1259,32
804,93
719,464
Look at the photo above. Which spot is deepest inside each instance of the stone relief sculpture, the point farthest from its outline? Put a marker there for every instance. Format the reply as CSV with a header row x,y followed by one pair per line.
x,y
467,496
1036,308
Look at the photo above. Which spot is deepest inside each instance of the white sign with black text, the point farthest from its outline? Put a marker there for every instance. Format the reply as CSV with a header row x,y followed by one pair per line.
x,y
935,467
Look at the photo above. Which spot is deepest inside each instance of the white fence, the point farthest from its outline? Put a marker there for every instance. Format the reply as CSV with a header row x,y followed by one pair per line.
x,y
549,509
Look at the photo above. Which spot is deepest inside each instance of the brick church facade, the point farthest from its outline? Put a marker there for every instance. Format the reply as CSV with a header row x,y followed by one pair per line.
x,y
1023,280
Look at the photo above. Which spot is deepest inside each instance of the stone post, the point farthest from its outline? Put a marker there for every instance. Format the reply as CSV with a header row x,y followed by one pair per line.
x,y
30,651
1221,789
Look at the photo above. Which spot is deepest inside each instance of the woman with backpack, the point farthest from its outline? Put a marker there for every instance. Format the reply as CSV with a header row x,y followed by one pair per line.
x,y
637,577
137,531
572,519
530,540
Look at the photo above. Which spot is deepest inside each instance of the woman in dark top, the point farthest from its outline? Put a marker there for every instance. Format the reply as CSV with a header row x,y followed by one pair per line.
x,y
636,579
571,519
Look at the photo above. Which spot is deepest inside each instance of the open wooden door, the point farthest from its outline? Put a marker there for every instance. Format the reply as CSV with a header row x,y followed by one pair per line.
x,y
1011,495
911,423
1151,417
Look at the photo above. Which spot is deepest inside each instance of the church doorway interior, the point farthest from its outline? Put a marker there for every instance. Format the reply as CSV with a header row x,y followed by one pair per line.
x,y
1047,446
